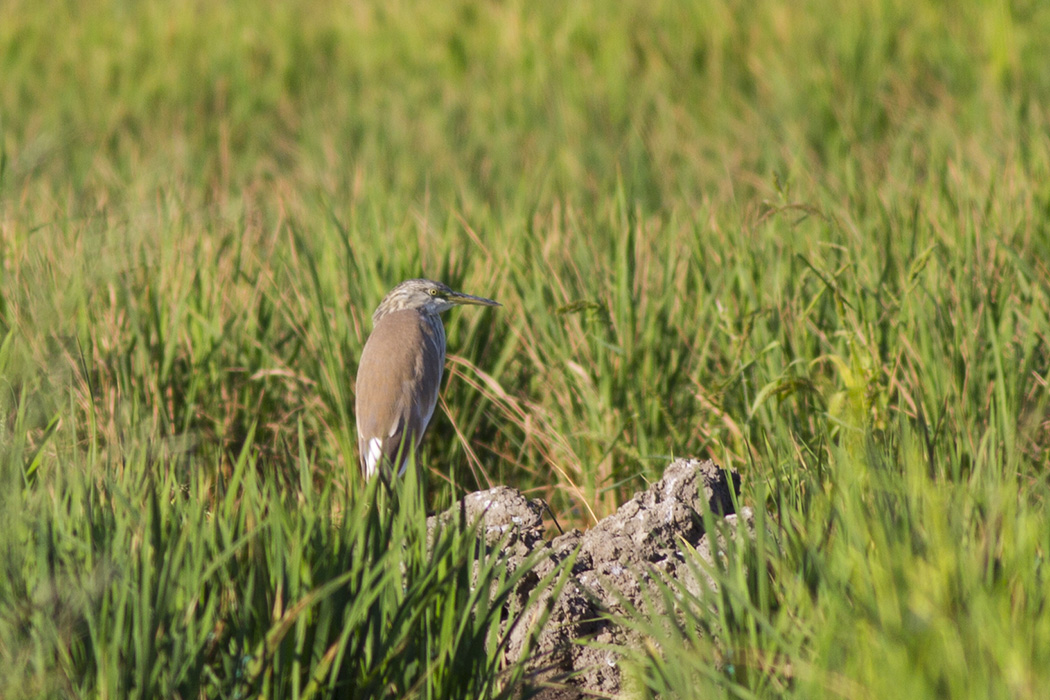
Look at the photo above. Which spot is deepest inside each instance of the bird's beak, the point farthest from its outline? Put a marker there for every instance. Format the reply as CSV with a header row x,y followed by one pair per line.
x,y
461,299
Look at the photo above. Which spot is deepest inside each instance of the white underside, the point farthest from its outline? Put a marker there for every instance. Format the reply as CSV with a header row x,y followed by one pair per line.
x,y
373,457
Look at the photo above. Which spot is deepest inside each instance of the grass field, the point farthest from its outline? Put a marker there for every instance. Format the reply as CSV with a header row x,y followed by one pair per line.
x,y
808,240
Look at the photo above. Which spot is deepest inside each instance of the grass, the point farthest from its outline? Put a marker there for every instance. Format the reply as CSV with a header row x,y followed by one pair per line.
x,y
808,241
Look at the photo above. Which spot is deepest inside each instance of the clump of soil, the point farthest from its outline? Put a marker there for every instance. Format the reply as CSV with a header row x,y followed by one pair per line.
x,y
617,562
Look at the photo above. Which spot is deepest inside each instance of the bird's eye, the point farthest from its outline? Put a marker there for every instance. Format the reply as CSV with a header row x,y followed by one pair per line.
x,y
433,292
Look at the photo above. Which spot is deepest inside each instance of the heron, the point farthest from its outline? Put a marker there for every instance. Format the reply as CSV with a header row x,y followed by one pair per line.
x,y
400,371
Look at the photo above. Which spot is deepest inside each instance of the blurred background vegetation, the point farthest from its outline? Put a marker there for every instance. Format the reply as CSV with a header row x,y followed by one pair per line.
x,y
808,240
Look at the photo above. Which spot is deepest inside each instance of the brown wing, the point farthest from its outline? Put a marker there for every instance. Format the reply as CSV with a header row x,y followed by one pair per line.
x,y
397,386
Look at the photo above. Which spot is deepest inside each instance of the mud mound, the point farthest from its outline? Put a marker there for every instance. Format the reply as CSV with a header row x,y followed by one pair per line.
x,y
617,562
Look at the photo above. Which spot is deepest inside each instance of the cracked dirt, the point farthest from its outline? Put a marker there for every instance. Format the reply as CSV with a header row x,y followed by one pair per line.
x,y
618,562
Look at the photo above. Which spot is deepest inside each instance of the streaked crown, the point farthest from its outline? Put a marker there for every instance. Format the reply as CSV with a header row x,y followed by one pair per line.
x,y
427,297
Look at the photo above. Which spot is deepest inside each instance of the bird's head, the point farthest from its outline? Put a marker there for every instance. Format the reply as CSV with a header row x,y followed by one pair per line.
x,y
426,297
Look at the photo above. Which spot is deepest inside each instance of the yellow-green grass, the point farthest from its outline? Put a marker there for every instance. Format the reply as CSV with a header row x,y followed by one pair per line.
x,y
808,240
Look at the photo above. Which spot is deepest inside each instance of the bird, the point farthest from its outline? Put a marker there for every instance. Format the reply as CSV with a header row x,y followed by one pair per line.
x,y
399,374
